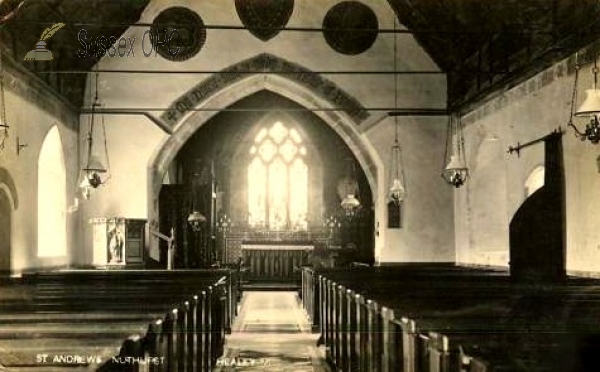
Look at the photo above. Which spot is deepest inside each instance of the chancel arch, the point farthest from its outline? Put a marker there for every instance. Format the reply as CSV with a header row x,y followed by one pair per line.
x,y
339,122
273,168
52,198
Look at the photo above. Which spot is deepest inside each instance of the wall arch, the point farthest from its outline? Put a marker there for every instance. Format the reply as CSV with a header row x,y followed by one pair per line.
x,y
6,207
340,122
534,180
8,184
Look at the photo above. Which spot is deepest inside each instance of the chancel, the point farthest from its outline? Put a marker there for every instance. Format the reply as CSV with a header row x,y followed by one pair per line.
x,y
255,185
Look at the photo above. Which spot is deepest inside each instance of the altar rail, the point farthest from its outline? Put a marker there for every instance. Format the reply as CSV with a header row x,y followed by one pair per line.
x,y
271,262
233,240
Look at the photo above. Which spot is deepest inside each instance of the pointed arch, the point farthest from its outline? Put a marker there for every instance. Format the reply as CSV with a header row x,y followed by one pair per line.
x,y
321,87
7,183
9,201
535,180
339,121
6,207
52,197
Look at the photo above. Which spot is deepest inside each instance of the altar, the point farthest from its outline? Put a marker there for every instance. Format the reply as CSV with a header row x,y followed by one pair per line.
x,y
275,261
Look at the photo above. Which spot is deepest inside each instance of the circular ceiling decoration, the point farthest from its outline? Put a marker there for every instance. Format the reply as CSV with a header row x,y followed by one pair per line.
x,y
178,34
350,27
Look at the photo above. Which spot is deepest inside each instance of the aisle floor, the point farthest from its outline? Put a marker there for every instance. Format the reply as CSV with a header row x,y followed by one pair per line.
x,y
272,333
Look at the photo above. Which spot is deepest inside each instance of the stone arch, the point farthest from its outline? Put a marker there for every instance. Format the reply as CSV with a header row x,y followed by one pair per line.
x,y
8,184
534,180
268,63
341,122
6,217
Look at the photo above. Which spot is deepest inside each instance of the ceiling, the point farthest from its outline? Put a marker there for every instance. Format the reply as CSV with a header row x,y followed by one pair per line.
x,y
20,34
483,45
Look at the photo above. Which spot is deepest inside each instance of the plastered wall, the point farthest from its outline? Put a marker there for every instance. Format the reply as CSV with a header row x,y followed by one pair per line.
x,y
469,225
497,187
136,143
31,111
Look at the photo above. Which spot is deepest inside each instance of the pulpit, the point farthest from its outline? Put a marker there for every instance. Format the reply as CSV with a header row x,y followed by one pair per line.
x,y
118,242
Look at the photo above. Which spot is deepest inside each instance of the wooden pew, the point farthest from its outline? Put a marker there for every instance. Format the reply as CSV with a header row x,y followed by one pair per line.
x,y
420,344
74,285
335,335
175,326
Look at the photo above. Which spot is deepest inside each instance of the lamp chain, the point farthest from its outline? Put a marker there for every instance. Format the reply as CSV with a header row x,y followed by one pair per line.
x,y
2,91
574,93
3,124
396,134
461,140
595,72
578,133
449,142
90,135
398,168
106,149
396,125
103,134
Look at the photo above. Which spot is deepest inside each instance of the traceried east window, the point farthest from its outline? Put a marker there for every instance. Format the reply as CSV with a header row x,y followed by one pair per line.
x,y
278,179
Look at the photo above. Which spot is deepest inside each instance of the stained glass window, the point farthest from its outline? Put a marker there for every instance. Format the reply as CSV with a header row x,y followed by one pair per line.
x,y
278,179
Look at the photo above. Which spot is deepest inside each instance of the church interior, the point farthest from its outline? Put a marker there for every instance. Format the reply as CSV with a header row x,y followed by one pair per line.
x,y
297,185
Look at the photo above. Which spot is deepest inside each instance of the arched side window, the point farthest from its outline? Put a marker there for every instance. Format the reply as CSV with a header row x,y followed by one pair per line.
x,y
52,198
278,179
534,181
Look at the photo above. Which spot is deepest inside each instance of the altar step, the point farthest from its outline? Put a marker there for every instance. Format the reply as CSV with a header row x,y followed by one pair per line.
x,y
270,286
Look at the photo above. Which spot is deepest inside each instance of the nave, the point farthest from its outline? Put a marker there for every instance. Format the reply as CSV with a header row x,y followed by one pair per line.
x,y
410,317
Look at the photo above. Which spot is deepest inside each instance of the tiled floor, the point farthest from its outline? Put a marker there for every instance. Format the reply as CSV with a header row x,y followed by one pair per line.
x,y
272,333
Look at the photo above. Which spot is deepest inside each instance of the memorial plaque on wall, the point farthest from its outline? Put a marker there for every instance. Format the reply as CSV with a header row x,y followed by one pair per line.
x,y
264,18
394,215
